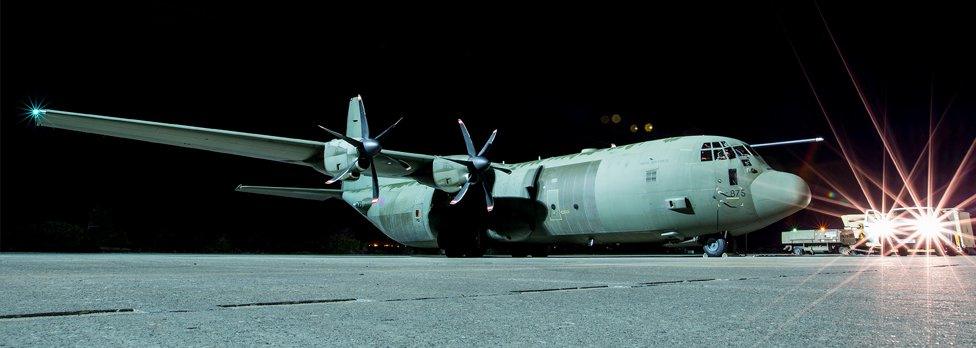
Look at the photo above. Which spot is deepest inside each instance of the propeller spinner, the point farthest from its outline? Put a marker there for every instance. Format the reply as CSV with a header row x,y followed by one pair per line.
x,y
478,167
368,147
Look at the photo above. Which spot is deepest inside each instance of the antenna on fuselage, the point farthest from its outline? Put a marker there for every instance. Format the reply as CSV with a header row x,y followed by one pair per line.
x,y
790,142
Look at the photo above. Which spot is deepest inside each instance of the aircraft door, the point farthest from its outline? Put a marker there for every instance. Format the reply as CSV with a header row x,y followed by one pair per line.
x,y
728,193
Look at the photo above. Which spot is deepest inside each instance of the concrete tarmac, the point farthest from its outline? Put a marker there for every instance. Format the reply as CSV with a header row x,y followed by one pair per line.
x,y
234,300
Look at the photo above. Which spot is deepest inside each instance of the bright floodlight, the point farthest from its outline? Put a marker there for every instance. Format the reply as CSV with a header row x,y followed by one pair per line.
x,y
882,227
927,225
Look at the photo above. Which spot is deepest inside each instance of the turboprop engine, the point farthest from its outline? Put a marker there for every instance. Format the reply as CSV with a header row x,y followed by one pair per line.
x,y
449,176
340,155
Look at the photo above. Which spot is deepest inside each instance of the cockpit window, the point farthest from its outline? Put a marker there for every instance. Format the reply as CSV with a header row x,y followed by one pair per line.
x,y
706,146
729,152
716,145
706,155
752,151
741,150
719,154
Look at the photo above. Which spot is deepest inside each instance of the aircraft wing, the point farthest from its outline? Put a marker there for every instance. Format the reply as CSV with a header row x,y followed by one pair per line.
x,y
315,194
287,150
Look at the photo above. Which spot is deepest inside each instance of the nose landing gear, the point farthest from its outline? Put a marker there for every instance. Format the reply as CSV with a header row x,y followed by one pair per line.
x,y
714,246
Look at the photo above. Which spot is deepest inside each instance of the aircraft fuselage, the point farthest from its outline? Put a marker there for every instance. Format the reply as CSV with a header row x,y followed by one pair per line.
x,y
660,190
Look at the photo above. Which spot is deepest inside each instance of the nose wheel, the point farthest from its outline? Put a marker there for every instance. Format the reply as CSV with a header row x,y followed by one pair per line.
x,y
714,246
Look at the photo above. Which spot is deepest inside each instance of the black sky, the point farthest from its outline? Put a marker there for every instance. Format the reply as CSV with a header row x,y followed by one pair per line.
x,y
543,76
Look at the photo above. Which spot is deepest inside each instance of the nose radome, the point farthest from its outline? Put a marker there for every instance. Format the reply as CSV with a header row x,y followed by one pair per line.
x,y
778,194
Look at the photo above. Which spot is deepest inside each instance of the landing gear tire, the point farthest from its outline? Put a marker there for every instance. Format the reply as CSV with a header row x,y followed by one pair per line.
x,y
466,244
714,247
798,251
844,250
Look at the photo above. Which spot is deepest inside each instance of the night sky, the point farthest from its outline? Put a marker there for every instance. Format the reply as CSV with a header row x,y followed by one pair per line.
x,y
542,76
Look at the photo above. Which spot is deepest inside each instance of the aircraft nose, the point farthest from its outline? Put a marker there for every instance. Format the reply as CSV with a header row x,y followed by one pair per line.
x,y
778,194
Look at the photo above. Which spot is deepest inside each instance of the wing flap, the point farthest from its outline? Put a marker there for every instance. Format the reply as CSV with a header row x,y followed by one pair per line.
x,y
315,194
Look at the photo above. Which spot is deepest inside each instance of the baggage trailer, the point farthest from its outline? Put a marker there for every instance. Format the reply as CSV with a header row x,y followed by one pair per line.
x,y
819,241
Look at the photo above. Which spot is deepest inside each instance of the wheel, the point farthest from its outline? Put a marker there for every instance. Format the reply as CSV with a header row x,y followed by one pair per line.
x,y
714,247
844,250
902,251
798,251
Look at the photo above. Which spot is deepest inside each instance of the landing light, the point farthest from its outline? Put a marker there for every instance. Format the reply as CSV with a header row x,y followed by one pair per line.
x,y
35,110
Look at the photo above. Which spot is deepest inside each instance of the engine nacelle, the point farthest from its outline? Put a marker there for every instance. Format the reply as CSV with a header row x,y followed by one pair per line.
x,y
339,155
449,176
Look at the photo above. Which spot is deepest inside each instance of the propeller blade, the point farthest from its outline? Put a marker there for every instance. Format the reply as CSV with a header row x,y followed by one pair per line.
x,y
342,136
364,126
406,166
467,139
460,194
501,169
376,182
491,139
340,176
488,200
388,128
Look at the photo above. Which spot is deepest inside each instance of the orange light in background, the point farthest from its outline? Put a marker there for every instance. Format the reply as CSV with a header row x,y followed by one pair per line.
x,y
648,127
615,118
633,128
604,119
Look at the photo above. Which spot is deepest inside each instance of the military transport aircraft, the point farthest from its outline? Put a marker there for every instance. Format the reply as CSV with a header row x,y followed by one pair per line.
x,y
685,191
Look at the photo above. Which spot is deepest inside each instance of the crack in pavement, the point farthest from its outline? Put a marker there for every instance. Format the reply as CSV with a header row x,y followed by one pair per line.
x,y
285,303
67,313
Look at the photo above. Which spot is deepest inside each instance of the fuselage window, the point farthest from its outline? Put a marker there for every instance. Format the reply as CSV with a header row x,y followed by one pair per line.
x,y
719,154
706,155
733,177
706,146
716,144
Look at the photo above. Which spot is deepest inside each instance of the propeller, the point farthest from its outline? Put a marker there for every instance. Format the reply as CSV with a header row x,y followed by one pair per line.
x,y
369,149
479,167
